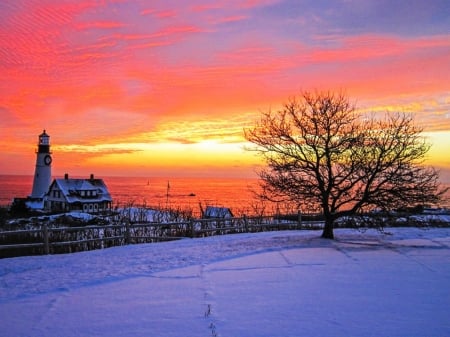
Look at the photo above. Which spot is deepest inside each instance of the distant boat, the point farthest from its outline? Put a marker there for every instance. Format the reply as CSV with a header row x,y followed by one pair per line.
x,y
191,195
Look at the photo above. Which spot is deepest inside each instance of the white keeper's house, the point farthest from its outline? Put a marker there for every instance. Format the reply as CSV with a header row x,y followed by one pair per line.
x,y
86,195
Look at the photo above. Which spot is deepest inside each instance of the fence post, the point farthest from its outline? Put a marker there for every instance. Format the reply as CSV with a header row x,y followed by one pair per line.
x,y
191,223
46,244
300,219
127,233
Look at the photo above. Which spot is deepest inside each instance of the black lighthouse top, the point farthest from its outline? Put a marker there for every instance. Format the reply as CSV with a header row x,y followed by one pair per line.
x,y
44,143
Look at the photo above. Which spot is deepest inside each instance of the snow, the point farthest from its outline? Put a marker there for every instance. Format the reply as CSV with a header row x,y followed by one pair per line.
x,y
289,283
35,203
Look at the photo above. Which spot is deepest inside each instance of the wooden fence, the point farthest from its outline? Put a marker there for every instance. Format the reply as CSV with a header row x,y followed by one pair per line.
x,y
65,239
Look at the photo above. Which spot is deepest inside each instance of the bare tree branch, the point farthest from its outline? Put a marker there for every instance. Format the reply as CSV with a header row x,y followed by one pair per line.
x,y
319,151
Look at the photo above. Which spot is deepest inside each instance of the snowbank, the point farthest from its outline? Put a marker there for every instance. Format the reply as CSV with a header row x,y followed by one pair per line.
x,y
265,284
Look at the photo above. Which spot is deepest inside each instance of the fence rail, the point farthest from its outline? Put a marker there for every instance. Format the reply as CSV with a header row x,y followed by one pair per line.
x,y
55,240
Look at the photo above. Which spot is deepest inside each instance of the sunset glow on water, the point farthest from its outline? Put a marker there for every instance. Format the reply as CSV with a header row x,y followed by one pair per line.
x,y
160,193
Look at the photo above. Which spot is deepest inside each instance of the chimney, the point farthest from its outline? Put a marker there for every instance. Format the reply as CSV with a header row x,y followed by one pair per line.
x,y
66,176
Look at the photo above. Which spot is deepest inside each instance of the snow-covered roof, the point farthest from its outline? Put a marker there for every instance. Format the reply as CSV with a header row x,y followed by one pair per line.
x,y
217,212
35,204
72,189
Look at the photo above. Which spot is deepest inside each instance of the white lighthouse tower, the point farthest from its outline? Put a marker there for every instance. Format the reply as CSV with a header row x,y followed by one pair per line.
x,y
43,171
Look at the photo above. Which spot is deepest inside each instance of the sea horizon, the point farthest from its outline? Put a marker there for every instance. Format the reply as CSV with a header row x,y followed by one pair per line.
x,y
235,193
155,192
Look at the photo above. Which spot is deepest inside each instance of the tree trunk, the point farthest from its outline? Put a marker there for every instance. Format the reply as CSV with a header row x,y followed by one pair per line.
x,y
328,229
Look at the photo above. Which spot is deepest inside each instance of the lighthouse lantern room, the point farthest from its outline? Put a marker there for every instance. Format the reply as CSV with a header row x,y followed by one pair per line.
x,y
43,170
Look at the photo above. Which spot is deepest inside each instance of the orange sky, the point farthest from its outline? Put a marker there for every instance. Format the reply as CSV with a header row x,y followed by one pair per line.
x,y
165,88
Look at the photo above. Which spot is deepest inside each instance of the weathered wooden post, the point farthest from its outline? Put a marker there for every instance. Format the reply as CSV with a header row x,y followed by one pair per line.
x,y
191,224
127,233
45,234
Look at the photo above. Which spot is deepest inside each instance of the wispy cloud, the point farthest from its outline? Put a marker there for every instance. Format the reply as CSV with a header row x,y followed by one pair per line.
x,y
233,18
161,14
99,25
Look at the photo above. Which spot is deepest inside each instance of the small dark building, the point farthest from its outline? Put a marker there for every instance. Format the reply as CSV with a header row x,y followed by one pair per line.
x,y
212,212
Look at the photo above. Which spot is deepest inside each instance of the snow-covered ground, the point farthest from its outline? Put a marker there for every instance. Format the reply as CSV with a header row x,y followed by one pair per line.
x,y
289,283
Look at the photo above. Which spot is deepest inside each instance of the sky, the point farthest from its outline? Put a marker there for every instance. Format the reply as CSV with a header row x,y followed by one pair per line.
x,y
166,88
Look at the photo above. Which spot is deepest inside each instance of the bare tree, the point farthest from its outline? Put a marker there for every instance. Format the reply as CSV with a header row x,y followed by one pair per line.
x,y
321,152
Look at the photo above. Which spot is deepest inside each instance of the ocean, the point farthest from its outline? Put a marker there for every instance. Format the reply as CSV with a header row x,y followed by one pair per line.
x,y
182,193
176,193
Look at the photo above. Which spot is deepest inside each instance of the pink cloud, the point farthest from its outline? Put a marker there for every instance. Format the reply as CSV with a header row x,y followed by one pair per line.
x,y
207,7
164,32
160,14
373,47
233,18
164,37
256,3
99,25
166,14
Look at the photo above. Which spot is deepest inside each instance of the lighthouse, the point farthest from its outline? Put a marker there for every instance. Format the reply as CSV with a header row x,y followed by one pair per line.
x,y
43,170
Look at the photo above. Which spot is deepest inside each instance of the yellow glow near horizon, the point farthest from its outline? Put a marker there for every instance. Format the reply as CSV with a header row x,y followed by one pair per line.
x,y
202,158
439,154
